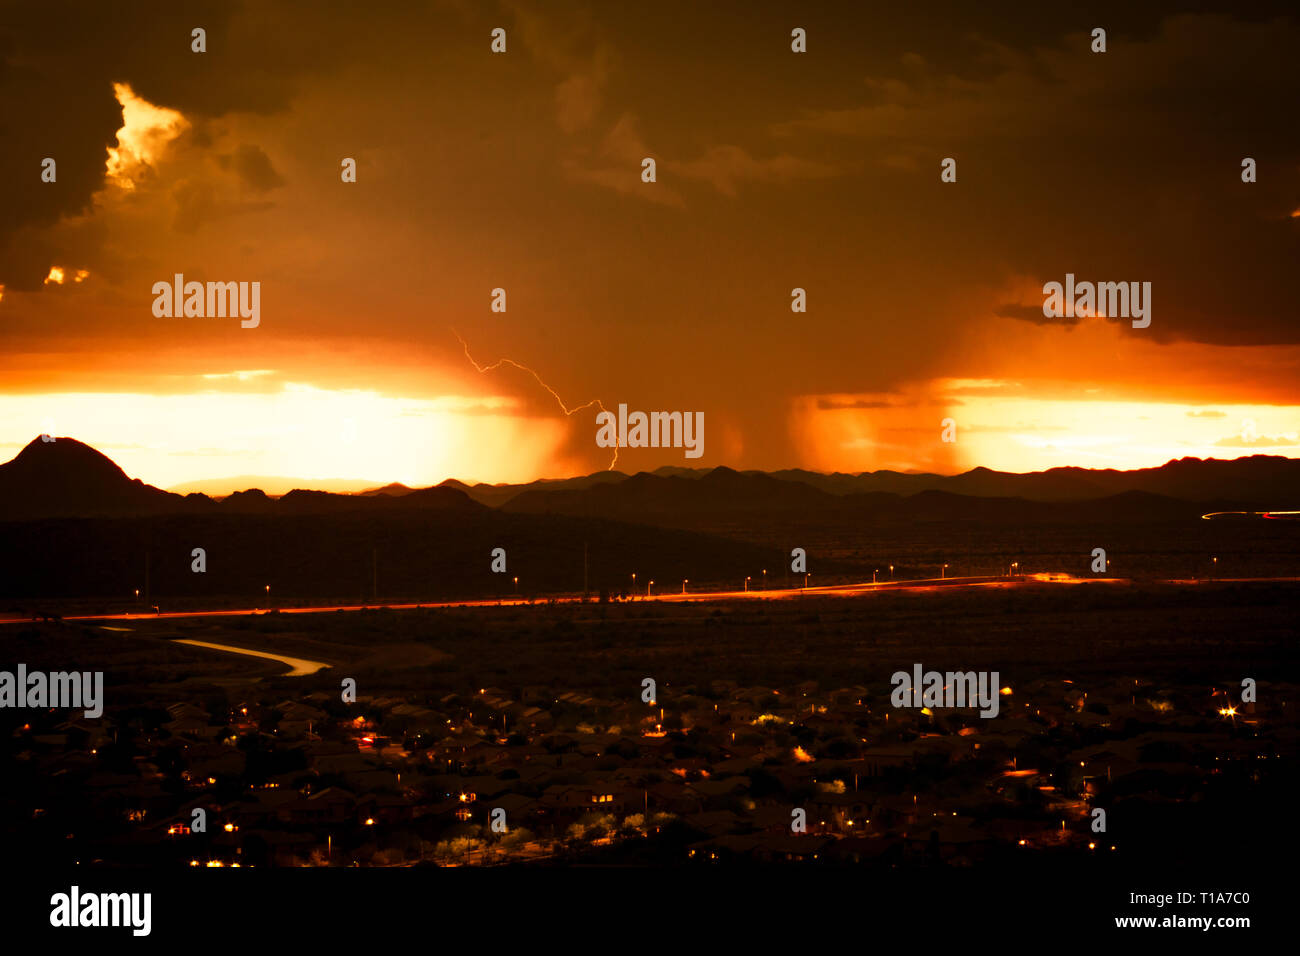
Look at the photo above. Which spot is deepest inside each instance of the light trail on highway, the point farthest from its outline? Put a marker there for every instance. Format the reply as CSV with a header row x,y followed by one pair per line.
x,y
783,594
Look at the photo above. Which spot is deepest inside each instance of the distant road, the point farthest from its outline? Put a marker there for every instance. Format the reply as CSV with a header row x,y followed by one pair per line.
x,y
1270,515
756,594
832,590
784,594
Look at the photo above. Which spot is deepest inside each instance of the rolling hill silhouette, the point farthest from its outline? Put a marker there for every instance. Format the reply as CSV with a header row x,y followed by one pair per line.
x,y
76,525
651,496
1260,481
66,478
79,527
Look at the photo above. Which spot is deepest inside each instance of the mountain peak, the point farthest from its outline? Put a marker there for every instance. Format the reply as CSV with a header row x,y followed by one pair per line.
x,y
62,476
61,452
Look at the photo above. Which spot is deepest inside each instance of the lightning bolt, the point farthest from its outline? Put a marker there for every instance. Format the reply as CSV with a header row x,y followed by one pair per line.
x,y
554,394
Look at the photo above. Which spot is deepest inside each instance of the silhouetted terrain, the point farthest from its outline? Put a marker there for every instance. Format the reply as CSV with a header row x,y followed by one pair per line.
x,y
76,526
65,478
432,555
726,495
1262,480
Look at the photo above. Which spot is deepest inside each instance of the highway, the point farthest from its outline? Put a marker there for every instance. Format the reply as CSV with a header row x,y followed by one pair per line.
x,y
754,594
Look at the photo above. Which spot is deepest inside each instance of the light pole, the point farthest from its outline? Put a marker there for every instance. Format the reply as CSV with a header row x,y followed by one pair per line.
x,y
516,584
746,582
873,575
685,581
268,597
806,576
634,585
765,579
891,572
648,587
137,594
1215,562
943,572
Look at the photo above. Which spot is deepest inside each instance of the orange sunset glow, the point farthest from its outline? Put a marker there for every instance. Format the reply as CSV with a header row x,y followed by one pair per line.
x,y
672,296
693,453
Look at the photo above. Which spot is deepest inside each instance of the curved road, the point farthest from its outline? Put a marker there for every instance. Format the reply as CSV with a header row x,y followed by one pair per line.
x,y
298,666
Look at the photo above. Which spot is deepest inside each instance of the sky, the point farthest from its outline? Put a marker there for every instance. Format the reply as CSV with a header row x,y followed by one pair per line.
x,y
377,355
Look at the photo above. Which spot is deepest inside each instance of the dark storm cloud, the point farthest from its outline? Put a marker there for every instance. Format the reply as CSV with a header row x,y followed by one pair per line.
x,y
1117,166
253,168
59,61
776,170
1123,166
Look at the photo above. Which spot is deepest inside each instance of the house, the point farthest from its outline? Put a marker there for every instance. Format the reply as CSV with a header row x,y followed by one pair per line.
x,y
521,810
577,796
184,709
675,798
534,720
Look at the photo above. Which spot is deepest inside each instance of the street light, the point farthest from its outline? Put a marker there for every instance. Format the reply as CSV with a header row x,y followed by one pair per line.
x,y
891,572
685,581
765,579
516,584
943,572
137,594
648,587
746,582
633,585
873,575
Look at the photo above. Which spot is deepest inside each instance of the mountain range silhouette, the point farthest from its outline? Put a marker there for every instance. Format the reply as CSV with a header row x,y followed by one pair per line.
x,y
66,478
